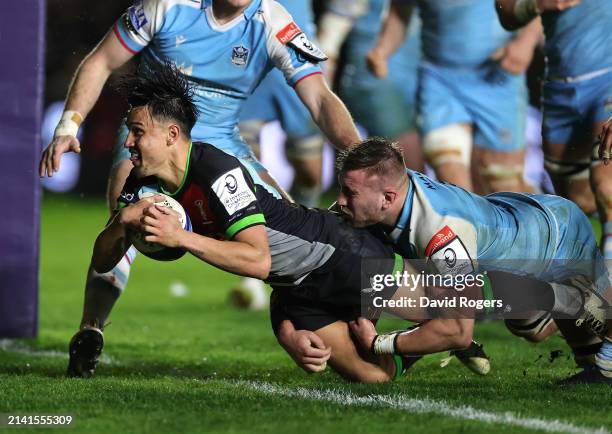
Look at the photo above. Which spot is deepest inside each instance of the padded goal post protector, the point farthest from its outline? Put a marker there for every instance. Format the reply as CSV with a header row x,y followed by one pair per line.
x,y
22,44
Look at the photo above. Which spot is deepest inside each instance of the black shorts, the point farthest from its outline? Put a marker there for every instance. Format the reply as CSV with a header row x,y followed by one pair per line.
x,y
336,291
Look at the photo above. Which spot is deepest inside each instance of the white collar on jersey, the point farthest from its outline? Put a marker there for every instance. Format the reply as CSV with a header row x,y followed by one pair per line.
x,y
248,12
402,222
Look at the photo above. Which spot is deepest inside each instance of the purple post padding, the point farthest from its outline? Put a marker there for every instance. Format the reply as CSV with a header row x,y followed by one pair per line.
x,y
22,36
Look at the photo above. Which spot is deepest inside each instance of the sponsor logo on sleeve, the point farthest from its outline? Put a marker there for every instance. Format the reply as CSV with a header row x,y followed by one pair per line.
x,y
304,46
233,191
441,238
288,32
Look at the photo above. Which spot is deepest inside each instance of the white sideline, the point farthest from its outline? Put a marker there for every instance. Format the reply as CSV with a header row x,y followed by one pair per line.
x,y
414,405
15,346
397,402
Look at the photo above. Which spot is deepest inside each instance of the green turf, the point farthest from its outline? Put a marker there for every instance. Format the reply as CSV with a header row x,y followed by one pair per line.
x,y
182,364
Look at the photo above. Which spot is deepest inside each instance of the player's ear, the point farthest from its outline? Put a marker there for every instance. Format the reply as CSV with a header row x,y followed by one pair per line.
x,y
389,198
174,132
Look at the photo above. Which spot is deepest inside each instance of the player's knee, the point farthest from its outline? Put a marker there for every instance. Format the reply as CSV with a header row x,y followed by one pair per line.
x,y
503,177
369,376
450,144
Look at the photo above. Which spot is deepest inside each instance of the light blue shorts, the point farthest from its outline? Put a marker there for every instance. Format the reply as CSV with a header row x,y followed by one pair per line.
x,y
492,100
572,109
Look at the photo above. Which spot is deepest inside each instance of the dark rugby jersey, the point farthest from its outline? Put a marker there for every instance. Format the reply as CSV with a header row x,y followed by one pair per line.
x,y
221,199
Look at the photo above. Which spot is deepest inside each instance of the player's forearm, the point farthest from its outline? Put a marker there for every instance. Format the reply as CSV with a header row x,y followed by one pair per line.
x,y
336,122
232,256
393,32
87,84
532,33
110,246
436,335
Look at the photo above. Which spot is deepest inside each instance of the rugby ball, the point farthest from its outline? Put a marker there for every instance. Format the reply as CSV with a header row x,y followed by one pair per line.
x,y
154,250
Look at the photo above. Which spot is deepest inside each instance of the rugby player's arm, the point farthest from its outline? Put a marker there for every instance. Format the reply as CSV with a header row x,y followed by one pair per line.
x,y
328,111
432,336
111,244
247,254
390,38
306,348
93,72
83,93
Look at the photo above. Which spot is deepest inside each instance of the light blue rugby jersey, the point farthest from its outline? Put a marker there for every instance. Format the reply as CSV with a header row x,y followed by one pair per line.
x,y
504,230
579,39
224,62
460,33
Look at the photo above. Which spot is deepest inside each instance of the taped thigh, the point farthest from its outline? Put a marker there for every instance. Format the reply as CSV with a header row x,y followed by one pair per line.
x,y
449,144
302,148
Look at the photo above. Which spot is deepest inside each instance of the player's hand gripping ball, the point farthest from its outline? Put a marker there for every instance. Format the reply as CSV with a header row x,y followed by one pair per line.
x,y
154,250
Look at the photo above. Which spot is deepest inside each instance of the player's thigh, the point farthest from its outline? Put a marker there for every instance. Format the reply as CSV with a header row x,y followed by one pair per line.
x,y
350,361
499,112
438,104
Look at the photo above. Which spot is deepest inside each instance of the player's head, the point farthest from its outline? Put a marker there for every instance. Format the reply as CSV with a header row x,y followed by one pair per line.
x,y
161,116
372,179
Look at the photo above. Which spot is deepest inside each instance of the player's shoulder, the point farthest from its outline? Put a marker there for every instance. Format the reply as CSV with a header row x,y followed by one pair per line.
x,y
277,19
209,162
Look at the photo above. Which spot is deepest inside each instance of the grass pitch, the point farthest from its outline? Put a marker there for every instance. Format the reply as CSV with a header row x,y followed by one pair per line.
x,y
194,364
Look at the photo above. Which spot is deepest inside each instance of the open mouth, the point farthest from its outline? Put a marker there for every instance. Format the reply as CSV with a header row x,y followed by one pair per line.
x,y
135,156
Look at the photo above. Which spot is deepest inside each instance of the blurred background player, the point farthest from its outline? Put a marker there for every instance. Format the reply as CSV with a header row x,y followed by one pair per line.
x,y
275,100
385,107
471,89
576,97
225,51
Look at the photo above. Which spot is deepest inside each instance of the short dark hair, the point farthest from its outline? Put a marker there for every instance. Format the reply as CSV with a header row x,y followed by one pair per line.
x,y
166,92
376,154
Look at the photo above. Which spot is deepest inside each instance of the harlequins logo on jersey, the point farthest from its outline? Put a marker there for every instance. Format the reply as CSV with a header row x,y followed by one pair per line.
x,y
240,55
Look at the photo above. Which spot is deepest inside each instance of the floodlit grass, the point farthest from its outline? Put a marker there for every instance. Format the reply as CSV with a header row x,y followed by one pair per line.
x,y
194,364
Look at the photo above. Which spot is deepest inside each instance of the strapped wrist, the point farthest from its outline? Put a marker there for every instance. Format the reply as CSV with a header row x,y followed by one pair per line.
x,y
385,344
69,124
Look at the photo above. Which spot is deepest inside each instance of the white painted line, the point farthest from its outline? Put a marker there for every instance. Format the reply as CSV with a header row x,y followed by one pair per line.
x,y
18,347
415,405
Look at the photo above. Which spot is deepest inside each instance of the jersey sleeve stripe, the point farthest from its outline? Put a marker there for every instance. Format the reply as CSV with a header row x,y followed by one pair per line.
x,y
252,220
125,40
304,74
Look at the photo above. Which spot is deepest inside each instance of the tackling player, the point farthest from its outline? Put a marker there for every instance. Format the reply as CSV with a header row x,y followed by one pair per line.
x,y
471,89
225,48
576,97
549,237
